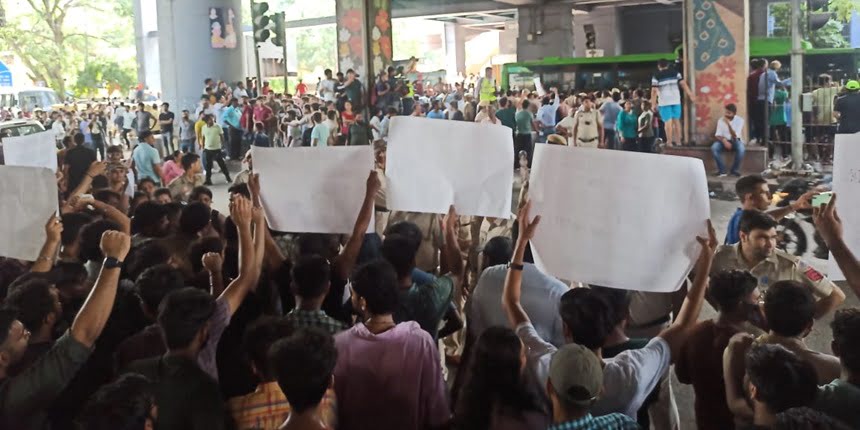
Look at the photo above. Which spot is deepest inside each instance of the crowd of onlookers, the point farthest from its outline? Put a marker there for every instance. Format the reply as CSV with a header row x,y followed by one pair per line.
x,y
149,309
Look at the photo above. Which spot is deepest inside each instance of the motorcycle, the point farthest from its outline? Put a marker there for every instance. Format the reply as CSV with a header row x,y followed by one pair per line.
x,y
792,237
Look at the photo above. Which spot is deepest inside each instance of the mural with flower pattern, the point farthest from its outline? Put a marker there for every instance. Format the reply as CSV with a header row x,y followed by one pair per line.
x,y
363,23
719,61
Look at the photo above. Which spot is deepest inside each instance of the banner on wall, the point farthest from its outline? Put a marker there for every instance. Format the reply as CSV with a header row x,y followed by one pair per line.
x,y
222,27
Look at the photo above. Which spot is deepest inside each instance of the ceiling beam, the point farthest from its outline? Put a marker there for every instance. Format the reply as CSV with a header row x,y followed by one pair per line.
x,y
428,11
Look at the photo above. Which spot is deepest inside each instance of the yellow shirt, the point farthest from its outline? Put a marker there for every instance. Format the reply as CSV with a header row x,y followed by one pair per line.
x,y
198,127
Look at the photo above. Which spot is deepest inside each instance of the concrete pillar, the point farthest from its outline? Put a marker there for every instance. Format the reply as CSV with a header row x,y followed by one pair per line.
x,y
185,44
545,31
718,47
607,27
138,41
455,49
364,37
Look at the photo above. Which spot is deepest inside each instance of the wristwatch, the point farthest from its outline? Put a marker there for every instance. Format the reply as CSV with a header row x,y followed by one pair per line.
x,y
515,266
111,263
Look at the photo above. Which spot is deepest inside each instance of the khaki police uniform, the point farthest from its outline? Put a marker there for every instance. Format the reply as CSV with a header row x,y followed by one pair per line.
x,y
181,187
780,266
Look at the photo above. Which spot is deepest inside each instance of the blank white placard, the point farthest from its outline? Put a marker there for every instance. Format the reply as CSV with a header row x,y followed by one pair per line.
x,y
618,219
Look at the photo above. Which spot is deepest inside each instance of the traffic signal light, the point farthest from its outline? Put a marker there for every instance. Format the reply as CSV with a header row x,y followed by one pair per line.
x,y
817,15
590,37
279,36
260,21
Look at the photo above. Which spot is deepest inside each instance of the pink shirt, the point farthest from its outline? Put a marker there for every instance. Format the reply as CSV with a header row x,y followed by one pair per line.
x,y
392,380
171,170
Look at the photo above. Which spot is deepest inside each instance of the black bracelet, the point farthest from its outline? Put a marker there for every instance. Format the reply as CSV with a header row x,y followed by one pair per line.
x,y
515,266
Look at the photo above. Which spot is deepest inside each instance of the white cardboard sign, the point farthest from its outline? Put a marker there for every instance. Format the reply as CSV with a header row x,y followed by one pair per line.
x,y
29,199
618,219
432,164
313,190
34,150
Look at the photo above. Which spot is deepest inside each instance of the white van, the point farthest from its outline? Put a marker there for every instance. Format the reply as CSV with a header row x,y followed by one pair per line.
x,y
28,98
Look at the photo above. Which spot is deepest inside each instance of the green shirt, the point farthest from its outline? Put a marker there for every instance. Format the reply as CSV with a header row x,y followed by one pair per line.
x,y
320,133
626,124
777,114
508,117
839,399
24,399
524,120
212,137
425,304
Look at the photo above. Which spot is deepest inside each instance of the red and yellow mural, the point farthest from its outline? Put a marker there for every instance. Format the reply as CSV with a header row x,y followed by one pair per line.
x,y
360,24
719,60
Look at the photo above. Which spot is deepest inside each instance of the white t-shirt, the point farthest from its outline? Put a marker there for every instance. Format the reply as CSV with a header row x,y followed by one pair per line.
x,y
628,377
238,93
327,90
723,127
377,123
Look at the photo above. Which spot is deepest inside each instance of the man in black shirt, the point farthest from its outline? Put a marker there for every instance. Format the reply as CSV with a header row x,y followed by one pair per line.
x,y
165,119
76,162
847,109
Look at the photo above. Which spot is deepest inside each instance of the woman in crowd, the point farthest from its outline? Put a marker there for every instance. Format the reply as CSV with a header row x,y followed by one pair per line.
x,y
494,395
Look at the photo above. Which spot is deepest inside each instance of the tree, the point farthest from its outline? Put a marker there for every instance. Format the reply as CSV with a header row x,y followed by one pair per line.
x,y
829,36
103,74
42,38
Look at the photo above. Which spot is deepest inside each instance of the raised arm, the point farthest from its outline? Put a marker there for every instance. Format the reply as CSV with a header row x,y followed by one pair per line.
x,y
96,168
733,374
261,231
53,230
513,281
451,251
112,214
829,225
241,213
676,334
93,316
345,261
802,202
213,263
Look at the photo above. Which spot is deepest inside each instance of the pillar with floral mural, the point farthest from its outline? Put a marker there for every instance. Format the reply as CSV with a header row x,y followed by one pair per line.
x,y
718,61
364,37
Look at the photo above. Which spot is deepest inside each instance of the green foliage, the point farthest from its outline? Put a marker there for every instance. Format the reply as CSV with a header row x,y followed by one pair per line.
x,y
829,36
55,38
103,74
844,8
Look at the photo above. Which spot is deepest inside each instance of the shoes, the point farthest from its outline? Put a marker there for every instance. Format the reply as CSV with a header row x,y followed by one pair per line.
x,y
208,183
736,174
720,175
229,181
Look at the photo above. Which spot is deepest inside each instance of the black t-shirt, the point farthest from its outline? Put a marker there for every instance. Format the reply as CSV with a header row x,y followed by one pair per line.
x,y
164,116
79,159
848,107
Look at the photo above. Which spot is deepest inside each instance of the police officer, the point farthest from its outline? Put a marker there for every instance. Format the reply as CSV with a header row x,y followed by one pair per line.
x,y
487,87
757,253
847,109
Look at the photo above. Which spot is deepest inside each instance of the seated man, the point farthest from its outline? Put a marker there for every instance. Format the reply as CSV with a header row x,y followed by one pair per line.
x,y
729,131
757,253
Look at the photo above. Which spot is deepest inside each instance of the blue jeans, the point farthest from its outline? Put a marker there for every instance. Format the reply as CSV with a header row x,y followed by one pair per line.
x,y
717,150
187,146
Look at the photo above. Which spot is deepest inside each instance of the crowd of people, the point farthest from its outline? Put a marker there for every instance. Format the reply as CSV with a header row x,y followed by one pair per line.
x,y
149,309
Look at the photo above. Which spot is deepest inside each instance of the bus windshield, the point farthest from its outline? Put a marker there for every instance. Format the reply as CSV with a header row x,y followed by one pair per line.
x,y
44,99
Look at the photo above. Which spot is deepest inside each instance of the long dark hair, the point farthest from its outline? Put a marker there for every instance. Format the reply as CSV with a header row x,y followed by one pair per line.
x,y
493,382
